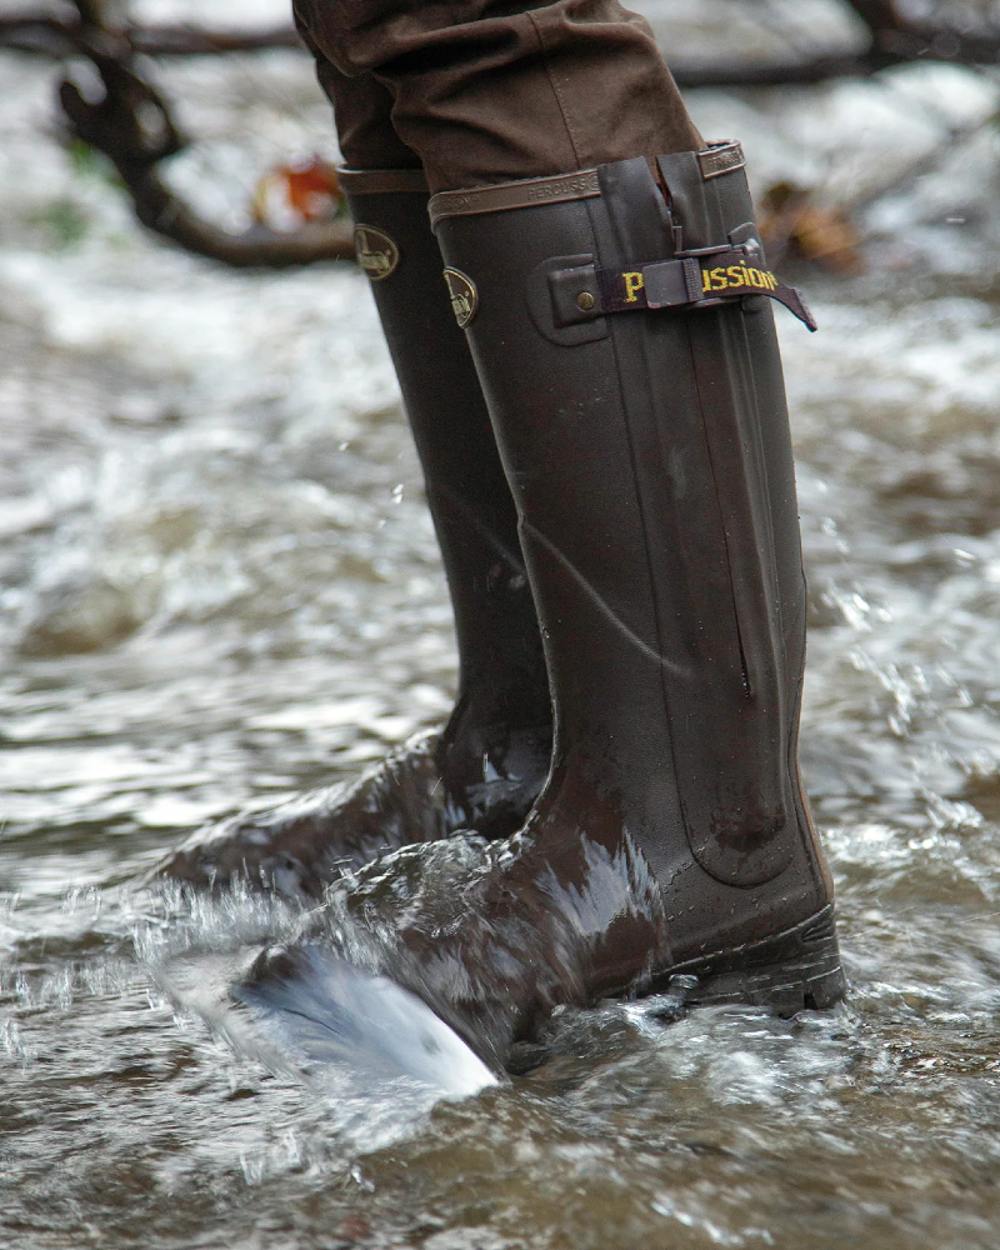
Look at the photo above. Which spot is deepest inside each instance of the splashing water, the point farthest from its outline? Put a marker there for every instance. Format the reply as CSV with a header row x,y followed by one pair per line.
x,y
219,586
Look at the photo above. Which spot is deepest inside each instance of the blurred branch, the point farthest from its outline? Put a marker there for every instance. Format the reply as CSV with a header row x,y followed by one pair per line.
x,y
893,40
185,40
876,14
31,32
131,124
133,127
26,32
796,71
110,128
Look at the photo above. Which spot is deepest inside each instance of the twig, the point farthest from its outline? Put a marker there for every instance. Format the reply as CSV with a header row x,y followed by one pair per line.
x,y
895,38
53,36
257,248
132,126
797,71
893,41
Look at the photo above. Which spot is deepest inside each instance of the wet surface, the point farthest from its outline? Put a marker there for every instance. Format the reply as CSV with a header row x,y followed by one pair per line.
x,y
218,585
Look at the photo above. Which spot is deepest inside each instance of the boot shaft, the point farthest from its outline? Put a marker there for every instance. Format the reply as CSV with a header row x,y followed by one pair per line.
x,y
642,421
500,655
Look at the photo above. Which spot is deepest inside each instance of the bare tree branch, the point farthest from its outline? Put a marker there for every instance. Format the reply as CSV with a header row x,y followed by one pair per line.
x,y
876,14
894,40
183,40
163,212
45,35
32,32
132,126
797,71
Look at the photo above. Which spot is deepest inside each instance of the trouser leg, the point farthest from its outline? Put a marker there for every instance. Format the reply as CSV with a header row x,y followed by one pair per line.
x,y
362,109
497,95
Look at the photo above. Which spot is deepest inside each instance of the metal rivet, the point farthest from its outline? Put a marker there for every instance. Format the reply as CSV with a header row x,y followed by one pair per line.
x,y
585,301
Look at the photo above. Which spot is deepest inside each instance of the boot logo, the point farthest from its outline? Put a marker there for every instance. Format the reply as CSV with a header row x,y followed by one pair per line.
x,y
724,278
377,254
464,296
634,283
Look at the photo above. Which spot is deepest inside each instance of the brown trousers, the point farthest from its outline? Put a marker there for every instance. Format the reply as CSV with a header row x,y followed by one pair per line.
x,y
485,91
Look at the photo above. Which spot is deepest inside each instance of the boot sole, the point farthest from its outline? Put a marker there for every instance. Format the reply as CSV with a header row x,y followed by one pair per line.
x,y
795,970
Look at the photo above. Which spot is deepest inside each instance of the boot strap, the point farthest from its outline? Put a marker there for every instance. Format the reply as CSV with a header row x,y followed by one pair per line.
x,y
701,278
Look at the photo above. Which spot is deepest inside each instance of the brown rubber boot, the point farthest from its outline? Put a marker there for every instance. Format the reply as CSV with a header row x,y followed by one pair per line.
x,y
487,765
627,352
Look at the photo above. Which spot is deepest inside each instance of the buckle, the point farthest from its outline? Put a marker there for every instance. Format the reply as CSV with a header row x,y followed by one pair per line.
x,y
698,278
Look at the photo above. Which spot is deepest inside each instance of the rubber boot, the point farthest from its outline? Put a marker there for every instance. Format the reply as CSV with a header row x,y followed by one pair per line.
x,y
488,764
620,320
621,323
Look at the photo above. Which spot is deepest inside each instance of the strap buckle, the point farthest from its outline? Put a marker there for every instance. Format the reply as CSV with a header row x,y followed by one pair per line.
x,y
704,277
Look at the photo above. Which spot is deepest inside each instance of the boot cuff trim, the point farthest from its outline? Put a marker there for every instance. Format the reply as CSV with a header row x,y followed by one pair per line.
x,y
715,160
522,194
721,158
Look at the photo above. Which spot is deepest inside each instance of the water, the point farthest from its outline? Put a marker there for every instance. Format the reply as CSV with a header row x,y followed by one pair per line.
x,y
219,586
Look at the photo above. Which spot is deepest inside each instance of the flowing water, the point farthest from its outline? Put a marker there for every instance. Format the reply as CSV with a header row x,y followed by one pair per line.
x,y
218,585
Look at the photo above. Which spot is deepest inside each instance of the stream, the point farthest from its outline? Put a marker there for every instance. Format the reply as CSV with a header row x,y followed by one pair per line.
x,y
219,586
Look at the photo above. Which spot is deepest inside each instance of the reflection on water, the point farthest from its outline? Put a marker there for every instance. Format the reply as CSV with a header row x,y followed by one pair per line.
x,y
219,585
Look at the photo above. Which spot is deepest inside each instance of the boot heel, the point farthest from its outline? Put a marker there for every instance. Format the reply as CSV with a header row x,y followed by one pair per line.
x,y
794,970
